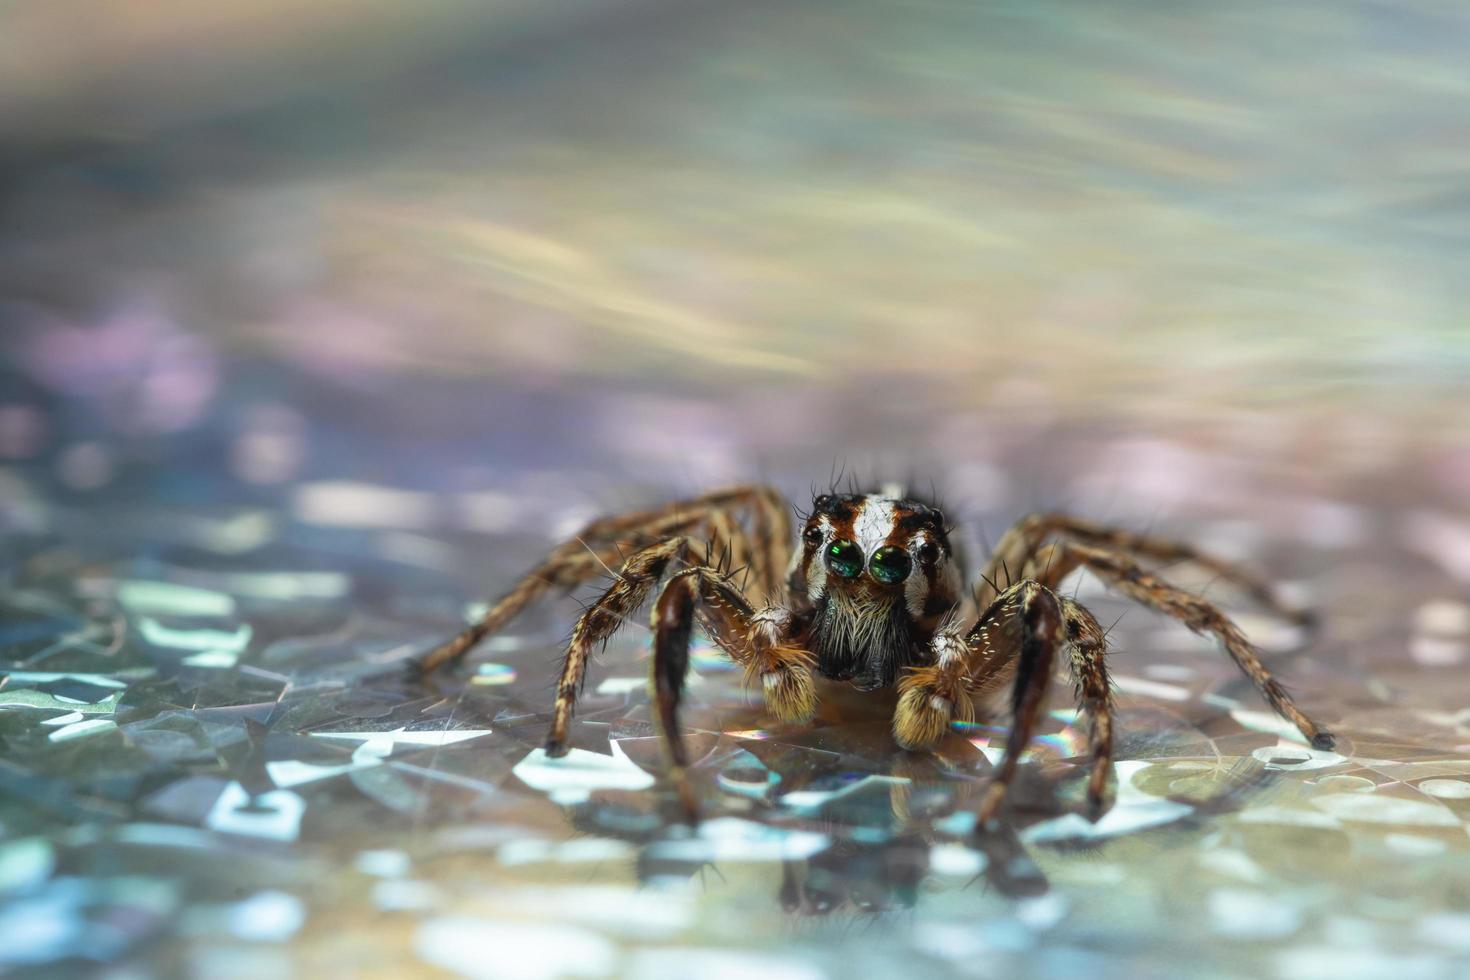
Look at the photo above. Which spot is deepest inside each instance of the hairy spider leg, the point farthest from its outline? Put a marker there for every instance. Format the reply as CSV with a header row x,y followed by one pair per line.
x,y
1040,613
631,524
1023,545
729,546
1031,551
563,574
1088,646
726,617
629,590
768,512
759,642
603,542
1201,617
773,535
1022,629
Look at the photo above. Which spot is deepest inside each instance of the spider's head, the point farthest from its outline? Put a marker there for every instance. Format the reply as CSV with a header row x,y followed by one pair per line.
x,y
876,548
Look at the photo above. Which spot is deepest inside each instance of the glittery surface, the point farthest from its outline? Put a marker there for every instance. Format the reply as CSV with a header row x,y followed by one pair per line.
x,y
300,366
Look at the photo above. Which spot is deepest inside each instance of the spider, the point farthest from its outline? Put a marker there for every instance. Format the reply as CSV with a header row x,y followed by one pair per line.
x,y
872,594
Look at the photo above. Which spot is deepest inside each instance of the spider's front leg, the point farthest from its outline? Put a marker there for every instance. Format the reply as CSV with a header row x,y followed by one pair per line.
x,y
630,589
760,642
1025,627
639,574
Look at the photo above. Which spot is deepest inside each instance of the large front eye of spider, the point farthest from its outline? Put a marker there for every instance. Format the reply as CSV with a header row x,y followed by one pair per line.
x,y
890,564
845,558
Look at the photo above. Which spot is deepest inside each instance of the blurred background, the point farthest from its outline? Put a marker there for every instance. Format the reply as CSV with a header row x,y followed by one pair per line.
x,y
1162,217
340,312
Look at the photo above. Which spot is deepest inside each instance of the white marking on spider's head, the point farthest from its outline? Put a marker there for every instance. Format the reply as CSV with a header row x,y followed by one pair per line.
x,y
875,521
946,583
916,589
816,572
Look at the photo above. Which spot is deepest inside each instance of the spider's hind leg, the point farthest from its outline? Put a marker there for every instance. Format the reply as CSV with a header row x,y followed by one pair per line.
x,y
564,571
1201,616
603,542
710,596
1034,548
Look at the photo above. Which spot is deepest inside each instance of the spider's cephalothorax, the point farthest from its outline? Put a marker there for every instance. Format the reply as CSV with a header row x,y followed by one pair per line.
x,y
872,595
875,576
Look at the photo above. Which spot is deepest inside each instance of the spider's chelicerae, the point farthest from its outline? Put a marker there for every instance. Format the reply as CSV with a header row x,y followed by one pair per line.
x,y
872,594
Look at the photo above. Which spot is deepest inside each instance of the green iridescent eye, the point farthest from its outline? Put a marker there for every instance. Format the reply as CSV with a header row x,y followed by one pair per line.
x,y
891,564
845,558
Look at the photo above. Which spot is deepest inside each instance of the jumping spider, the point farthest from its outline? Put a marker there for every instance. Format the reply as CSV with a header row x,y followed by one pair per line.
x,y
872,594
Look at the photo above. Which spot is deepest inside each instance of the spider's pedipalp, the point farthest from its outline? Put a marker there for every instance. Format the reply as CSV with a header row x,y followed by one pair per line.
x,y
933,696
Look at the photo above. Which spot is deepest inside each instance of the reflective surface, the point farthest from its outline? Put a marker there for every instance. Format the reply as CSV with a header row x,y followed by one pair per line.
x,y
314,340
214,763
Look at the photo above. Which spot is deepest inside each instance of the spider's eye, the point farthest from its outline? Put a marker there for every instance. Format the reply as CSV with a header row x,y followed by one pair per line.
x,y
812,535
890,564
928,553
845,558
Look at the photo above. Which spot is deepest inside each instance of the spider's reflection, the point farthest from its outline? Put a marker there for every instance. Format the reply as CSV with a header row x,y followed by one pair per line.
x,y
878,831
864,877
